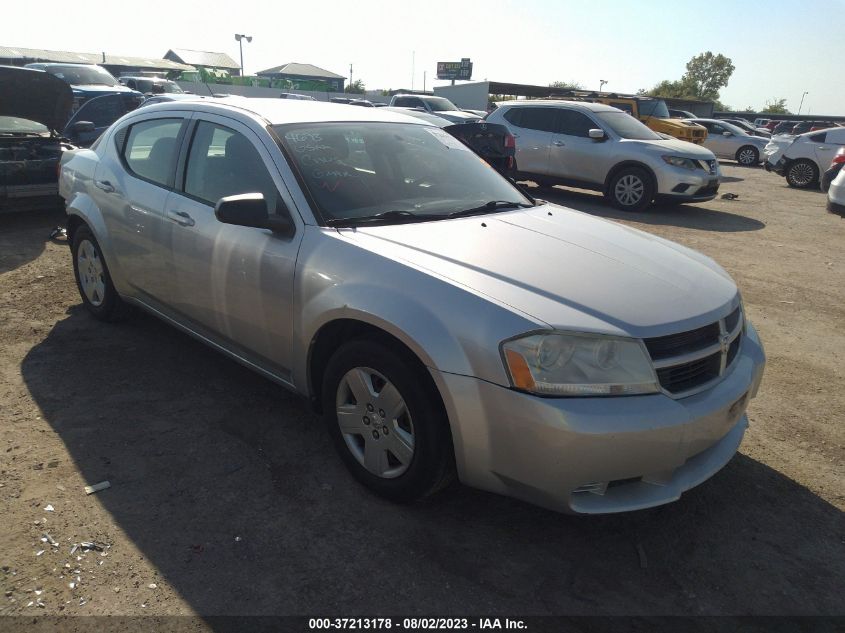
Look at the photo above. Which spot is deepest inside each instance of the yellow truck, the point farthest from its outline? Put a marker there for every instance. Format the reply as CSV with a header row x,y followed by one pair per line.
x,y
650,110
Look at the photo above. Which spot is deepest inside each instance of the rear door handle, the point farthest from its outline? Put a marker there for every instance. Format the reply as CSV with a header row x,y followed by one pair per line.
x,y
181,218
105,185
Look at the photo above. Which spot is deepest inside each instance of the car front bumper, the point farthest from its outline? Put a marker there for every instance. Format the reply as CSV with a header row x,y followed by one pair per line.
x,y
684,185
603,454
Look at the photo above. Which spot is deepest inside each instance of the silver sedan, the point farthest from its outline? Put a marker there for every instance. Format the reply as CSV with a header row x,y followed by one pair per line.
x,y
730,141
443,322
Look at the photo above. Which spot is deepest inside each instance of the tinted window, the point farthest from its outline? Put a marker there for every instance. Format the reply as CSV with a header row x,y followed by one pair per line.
x,y
542,119
103,111
575,123
151,149
82,75
223,162
821,137
409,102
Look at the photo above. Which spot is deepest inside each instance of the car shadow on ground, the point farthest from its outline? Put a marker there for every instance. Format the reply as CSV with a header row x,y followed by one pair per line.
x,y
229,485
691,216
23,236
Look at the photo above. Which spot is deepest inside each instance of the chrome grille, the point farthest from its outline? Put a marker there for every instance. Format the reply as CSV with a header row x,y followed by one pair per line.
x,y
688,362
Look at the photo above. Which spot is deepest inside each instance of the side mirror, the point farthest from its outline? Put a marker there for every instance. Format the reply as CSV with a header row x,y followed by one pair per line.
x,y
596,134
250,209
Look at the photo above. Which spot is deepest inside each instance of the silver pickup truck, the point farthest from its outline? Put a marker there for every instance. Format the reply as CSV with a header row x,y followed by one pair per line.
x,y
443,322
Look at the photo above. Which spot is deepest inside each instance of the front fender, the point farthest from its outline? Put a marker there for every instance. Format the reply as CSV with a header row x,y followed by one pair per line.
x,y
449,327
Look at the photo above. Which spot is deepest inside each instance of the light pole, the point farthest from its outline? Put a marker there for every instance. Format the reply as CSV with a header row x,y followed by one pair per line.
x,y
240,39
802,101
601,83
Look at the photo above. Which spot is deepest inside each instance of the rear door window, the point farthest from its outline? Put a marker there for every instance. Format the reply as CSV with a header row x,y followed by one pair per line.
x,y
540,119
151,149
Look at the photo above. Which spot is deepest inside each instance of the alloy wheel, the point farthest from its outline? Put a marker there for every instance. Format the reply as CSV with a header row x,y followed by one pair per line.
x,y
802,174
375,422
747,157
91,273
629,190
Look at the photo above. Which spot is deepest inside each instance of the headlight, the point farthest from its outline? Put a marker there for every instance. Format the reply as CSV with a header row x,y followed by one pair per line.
x,y
679,161
574,364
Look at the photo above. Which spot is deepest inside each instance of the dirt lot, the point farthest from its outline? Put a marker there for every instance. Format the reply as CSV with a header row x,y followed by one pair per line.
x,y
227,497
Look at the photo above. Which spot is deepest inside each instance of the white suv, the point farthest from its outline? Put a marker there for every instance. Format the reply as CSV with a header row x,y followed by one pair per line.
x,y
595,146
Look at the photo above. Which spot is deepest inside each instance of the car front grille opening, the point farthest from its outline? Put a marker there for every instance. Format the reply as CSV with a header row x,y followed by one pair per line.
x,y
732,319
662,347
687,376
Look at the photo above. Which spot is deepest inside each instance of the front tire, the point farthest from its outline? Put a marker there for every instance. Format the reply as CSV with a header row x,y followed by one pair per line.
x,y
631,189
387,426
747,156
92,278
802,174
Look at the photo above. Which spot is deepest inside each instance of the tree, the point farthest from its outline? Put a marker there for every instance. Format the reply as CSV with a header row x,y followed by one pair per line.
x,y
775,106
356,87
706,74
571,85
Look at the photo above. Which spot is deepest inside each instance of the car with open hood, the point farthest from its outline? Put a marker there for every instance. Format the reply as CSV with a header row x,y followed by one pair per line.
x,y
88,81
34,108
444,323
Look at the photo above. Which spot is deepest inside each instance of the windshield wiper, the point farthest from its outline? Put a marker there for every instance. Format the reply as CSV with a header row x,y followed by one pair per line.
x,y
490,207
386,216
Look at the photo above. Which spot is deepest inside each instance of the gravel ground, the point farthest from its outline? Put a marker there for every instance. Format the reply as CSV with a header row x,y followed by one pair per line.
x,y
227,498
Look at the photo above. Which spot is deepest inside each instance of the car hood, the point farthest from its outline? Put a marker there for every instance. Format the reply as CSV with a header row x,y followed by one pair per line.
x,y
35,95
676,146
565,268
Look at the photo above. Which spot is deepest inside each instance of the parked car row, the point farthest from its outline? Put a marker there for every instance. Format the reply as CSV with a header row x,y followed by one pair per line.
x,y
444,323
802,159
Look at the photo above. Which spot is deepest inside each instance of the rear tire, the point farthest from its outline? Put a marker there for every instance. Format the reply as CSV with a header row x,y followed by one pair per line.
x,y
747,156
92,278
631,189
387,426
802,174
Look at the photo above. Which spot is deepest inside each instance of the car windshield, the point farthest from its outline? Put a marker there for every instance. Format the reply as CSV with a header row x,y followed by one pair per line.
x,y
405,170
17,125
83,75
439,104
654,107
626,126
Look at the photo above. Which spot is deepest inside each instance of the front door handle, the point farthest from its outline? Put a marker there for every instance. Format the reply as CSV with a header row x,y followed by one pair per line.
x,y
181,218
559,143
105,185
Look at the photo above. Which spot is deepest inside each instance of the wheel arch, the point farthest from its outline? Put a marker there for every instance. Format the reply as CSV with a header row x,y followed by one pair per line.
x,y
626,164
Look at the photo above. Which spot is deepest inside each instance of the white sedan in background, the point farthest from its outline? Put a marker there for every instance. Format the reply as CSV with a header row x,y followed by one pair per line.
x,y
730,141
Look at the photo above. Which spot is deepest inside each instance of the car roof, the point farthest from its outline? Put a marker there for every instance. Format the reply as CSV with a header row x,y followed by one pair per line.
x,y
585,105
281,111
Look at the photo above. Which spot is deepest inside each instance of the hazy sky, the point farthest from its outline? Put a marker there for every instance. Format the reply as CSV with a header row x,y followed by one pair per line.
x,y
780,48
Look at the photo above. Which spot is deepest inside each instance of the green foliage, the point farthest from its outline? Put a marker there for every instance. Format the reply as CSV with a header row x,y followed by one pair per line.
x,y
356,87
706,74
571,84
775,106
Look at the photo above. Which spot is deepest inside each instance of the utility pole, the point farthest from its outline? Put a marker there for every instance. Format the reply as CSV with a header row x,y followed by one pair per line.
x,y
424,74
601,83
350,75
240,37
413,62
